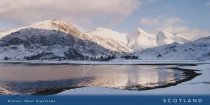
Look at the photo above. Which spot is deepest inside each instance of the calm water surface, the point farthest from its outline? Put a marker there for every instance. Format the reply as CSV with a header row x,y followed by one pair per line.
x,y
51,79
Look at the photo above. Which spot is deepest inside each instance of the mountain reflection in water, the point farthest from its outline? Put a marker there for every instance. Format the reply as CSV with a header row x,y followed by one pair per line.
x,y
52,79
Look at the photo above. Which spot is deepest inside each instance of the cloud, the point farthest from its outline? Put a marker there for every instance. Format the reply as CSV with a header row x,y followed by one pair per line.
x,y
159,21
174,25
75,10
149,21
207,4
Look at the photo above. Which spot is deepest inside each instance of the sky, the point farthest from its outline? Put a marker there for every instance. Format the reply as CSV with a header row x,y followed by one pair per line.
x,y
189,18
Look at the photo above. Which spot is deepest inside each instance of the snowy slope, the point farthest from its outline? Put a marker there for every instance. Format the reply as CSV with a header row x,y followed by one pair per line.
x,y
57,39
137,41
52,39
55,24
197,50
110,39
103,37
38,44
164,38
109,34
107,38
141,40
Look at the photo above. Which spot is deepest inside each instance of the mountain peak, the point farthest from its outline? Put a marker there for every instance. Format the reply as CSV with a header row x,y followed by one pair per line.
x,y
140,30
106,32
59,20
51,23
57,24
102,29
116,39
54,24
164,37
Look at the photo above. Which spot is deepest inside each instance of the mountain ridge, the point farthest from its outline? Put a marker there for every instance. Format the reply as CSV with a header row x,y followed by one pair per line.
x,y
39,44
108,38
57,39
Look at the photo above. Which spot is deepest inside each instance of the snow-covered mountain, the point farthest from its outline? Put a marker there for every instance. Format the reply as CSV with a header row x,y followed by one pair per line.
x,y
164,38
138,41
197,50
106,38
55,24
141,40
52,39
110,39
57,39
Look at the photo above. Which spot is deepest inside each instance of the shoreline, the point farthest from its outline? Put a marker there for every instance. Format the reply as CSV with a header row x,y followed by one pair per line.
x,y
113,62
